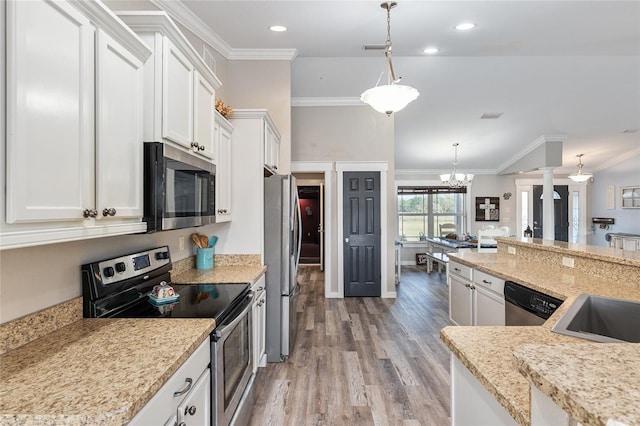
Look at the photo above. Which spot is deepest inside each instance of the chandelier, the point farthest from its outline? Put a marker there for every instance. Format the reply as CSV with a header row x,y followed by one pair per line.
x,y
390,97
455,179
579,176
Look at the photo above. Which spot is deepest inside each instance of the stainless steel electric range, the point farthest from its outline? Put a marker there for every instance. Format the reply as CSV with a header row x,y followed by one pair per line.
x,y
120,288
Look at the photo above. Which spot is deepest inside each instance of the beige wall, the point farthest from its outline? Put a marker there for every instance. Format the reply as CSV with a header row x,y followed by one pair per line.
x,y
264,84
348,134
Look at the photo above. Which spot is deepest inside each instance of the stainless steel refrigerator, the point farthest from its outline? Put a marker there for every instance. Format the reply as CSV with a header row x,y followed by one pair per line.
x,y
282,240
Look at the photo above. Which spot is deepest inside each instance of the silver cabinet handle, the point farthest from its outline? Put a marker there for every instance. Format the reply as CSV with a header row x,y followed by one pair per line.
x,y
486,282
109,212
87,213
186,389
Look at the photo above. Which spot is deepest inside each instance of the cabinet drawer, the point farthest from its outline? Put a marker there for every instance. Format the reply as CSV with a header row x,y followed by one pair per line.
x,y
259,286
487,281
460,270
164,404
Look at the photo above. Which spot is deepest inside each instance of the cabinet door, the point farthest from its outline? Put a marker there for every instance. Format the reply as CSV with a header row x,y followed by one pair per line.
x,y
119,80
177,95
205,98
489,307
223,175
271,148
50,112
195,409
460,301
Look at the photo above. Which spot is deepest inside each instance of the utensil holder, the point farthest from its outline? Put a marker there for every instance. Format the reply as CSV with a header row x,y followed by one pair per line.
x,y
204,258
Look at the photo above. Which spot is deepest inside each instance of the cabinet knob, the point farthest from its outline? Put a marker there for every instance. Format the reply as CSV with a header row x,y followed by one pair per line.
x,y
90,213
201,147
109,212
190,410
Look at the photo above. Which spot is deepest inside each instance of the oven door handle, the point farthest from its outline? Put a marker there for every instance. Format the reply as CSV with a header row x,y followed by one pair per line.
x,y
222,332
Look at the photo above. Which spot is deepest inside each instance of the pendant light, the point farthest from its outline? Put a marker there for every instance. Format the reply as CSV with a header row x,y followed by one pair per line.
x,y
455,179
579,176
390,97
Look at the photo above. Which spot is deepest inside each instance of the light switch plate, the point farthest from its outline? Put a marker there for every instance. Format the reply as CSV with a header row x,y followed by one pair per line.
x,y
511,250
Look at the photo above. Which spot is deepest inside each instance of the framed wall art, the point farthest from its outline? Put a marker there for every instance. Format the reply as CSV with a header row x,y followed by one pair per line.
x,y
487,209
630,197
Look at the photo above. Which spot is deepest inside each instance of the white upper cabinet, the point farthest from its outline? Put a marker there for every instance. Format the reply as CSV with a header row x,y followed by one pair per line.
x,y
50,104
177,95
179,88
119,147
74,124
271,147
223,131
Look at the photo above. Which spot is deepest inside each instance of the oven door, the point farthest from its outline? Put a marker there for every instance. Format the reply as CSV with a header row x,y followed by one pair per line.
x,y
232,363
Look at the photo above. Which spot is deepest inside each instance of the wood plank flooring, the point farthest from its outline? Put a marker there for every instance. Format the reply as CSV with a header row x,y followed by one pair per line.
x,y
362,361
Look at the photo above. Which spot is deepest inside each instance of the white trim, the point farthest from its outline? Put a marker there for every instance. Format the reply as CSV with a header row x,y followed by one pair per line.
x,y
364,166
181,13
616,160
324,102
325,167
529,148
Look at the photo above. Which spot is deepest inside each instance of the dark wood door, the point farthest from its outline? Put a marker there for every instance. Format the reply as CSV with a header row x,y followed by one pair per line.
x,y
361,230
560,211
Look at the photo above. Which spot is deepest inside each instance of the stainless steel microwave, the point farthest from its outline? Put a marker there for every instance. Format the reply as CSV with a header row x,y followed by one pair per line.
x,y
179,188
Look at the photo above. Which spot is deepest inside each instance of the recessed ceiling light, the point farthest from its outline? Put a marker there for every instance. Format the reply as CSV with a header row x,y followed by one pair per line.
x,y
278,28
465,26
431,50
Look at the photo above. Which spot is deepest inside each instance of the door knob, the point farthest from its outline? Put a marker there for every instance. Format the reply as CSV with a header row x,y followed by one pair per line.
x,y
346,240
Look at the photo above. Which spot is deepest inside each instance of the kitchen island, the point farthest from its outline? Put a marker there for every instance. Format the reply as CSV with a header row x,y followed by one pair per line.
x,y
57,368
495,355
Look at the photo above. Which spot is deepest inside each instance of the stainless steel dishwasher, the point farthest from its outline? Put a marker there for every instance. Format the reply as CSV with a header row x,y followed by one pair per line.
x,y
524,306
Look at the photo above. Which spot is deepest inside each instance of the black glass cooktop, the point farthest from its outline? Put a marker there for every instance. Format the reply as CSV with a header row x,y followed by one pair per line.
x,y
195,301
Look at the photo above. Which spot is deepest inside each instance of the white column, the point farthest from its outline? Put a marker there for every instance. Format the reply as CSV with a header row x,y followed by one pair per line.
x,y
548,216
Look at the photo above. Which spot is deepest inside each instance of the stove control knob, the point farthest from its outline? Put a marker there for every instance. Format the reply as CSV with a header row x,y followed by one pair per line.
x,y
162,255
108,271
121,267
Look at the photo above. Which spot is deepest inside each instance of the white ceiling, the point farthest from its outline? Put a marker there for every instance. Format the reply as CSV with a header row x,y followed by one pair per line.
x,y
551,67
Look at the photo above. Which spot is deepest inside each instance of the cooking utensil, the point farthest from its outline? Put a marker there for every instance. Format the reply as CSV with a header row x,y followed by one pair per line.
x,y
212,241
196,239
204,241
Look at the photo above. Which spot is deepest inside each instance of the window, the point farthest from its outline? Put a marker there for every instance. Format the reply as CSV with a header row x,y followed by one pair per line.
x,y
428,210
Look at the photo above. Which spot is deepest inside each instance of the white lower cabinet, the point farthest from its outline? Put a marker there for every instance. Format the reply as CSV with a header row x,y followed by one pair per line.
x,y
460,293
471,403
259,314
475,297
488,299
185,399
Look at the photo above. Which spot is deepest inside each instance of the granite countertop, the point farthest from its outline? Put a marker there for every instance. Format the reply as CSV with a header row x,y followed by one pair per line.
x,y
101,371
494,366
611,391
220,274
94,371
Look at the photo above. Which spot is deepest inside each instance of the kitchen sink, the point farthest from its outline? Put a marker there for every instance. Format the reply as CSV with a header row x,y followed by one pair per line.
x,y
601,319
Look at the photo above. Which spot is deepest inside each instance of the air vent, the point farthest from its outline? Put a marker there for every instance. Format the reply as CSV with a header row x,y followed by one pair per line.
x,y
630,131
373,47
491,115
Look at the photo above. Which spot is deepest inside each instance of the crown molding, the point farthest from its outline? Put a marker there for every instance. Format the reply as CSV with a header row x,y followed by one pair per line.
x,y
181,13
530,148
326,102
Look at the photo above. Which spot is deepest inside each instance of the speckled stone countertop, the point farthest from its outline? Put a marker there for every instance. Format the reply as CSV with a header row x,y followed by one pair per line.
x,y
220,274
94,371
576,378
488,351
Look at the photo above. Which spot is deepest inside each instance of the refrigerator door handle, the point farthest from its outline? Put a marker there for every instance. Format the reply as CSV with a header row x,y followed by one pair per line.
x,y
297,201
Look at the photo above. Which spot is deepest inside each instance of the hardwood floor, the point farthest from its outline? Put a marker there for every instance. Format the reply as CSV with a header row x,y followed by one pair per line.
x,y
362,361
